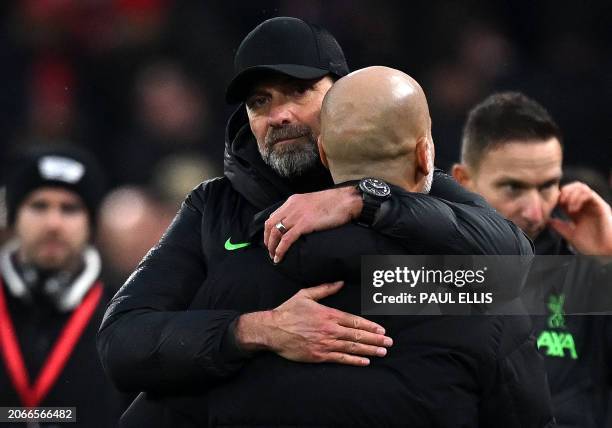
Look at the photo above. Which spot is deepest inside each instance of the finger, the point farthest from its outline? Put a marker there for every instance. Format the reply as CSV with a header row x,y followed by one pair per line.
x,y
268,225
563,228
365,337
566,194
274,218
578,202
568,191
571,186
565,203
342,358
273,240
359,323
323,290
562,195
354,348
285,243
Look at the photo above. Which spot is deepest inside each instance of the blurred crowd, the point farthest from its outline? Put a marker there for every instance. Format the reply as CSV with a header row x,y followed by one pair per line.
x,y
140,84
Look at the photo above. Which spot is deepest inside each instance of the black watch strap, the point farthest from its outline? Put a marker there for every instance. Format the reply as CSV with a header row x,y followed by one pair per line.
x,y
374,192
370,209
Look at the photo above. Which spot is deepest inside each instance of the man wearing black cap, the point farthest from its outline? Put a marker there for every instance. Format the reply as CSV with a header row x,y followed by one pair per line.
x,y
51,299
283,87
270,154
148,340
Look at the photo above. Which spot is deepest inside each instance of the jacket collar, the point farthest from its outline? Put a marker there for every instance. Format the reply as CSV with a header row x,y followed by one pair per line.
x,y
551,243
70,297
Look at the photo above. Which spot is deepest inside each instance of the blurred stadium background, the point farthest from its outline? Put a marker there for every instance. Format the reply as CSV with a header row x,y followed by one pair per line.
x,y
140,83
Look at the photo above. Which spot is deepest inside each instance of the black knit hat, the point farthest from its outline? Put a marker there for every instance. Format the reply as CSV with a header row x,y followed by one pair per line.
x,y
288,46
54,166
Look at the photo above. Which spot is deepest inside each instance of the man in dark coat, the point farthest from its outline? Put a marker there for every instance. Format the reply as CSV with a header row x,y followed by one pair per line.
x,y
51,298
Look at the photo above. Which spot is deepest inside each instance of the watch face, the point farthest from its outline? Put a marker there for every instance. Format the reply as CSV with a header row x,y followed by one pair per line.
x,y
375,187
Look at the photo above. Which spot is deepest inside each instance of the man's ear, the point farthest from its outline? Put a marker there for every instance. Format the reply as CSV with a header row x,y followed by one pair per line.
x,y
322,154
463,175
424,157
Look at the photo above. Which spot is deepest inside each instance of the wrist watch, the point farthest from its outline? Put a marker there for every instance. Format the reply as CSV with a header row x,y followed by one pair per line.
x,y
373,192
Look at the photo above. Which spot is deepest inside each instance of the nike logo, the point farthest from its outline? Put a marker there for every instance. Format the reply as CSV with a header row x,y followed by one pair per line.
x,y
230,247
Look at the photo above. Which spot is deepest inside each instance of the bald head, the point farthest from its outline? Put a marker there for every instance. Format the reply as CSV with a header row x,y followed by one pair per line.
x,y
373,122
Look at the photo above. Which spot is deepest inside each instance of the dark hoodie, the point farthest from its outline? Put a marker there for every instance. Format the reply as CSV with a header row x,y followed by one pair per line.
x,y
150,341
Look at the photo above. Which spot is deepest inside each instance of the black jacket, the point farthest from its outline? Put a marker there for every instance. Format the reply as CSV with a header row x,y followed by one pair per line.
x,y
149,341
579,381
441,371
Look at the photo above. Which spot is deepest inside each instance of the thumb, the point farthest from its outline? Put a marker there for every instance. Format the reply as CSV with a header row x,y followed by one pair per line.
x,y
321,291
563,228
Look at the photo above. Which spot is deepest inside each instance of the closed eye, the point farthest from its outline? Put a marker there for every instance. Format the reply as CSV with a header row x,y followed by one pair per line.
x,y
70,209
512,188
39,206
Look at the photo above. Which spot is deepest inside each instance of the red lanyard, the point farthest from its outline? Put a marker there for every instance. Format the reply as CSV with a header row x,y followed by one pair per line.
x,y
56,360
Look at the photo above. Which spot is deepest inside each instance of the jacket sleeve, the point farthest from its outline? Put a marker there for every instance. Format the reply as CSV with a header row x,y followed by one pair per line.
x,y
410,223
458,221
148,340
449,220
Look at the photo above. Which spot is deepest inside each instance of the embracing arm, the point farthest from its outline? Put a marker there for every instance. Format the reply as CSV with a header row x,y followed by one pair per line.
x,y
303,330
458,221
148,340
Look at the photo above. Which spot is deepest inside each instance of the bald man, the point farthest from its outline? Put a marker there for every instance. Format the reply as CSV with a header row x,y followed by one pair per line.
x,y
375,122
388,137
440,371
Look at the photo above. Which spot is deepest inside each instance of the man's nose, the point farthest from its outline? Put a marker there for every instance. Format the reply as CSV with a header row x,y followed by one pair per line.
x,y
53,219
280,114
532,208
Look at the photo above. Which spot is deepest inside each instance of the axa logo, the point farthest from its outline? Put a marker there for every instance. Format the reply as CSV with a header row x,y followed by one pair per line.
x,y
557,343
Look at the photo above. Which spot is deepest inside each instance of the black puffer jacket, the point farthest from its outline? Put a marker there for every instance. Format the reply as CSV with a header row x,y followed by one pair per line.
x,y
441,371
150,341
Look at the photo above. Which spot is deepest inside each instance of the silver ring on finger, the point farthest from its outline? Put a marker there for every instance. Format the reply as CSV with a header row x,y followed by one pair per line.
x,y
281,227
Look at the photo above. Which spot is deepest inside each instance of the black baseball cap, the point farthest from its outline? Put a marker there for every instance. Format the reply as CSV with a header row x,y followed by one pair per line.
x,y
288,46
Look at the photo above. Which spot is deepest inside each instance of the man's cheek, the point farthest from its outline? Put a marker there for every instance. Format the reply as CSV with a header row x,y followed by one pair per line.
x,y
509,209
496,199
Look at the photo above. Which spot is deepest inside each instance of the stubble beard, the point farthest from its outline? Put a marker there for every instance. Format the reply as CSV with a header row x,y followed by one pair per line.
x,y
64,257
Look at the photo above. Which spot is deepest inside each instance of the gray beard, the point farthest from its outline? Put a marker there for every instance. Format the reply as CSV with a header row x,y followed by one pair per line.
x,y
291,159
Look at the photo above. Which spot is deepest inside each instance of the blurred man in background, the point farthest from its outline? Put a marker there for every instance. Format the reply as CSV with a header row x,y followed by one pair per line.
x,y
512,155
169,118
51,300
